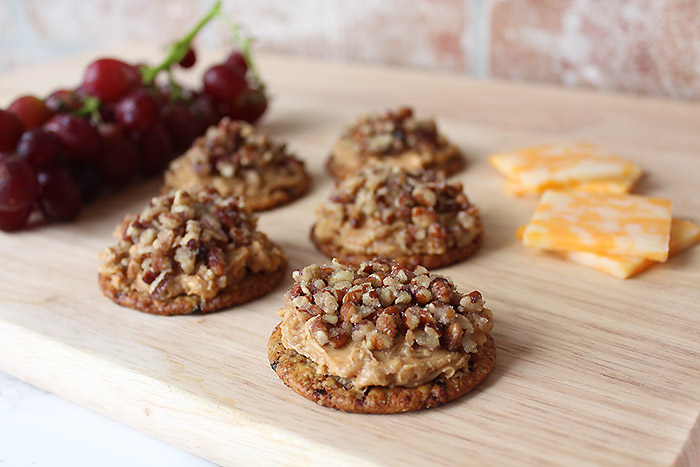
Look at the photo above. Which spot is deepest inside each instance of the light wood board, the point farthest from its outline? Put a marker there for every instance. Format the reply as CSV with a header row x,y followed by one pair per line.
x,y
590,369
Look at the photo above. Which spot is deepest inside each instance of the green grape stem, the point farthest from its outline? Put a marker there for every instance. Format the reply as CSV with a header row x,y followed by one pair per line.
x,y
90,107
244,43
179,49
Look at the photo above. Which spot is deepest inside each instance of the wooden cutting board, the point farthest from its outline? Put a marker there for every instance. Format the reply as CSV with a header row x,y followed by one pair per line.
x,y
590,369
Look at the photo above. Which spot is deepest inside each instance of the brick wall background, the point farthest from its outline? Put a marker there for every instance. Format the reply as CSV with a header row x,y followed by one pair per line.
x,y
649,47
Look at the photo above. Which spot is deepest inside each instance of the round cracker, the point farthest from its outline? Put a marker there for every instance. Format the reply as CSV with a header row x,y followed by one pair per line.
x,y
252,286
299,373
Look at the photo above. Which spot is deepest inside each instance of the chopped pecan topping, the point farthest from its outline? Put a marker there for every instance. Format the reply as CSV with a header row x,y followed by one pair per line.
x,y
380,301
394,132
232,147
192,243
401,211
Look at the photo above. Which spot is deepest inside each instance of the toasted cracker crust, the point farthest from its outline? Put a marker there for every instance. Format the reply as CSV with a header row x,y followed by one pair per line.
x,y
299,373
250,287
451,256
455,163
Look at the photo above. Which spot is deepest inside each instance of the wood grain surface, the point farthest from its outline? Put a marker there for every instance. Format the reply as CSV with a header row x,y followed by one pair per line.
x,y
590,369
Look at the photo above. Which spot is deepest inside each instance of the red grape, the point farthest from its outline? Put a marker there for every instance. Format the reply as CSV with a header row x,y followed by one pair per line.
x,y
31,111
18,184
75,135
250,107
189,59
155,150
10,130
118,163
38,147
63,100
137,111
205,109
60,197
182,126
118,160
236,61
109,79
224,83
111,132
165,93
14,220
88,179
107,113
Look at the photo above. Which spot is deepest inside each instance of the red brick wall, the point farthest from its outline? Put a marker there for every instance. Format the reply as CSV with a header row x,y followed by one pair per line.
x,y
649,47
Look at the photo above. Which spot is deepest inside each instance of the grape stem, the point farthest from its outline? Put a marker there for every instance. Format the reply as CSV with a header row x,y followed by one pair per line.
x,y
244,43
179,49
90,107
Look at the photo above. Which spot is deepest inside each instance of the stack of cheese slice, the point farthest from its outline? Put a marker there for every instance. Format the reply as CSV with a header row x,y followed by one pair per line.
x,y
585,167
618,234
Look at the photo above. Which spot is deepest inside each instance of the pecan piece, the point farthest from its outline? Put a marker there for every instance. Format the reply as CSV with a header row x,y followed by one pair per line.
x,y
441,290
474,296
149,276
347,311
294,292
319,330
411,318
353,296
423,296
337,337
161,289
216,260
386,324
452,338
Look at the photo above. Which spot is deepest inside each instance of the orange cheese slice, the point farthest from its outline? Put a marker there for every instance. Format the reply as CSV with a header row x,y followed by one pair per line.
x,y
684,234
606,185
561,166
628,225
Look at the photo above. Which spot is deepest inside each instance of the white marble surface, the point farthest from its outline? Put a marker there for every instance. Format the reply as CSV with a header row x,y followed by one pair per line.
x,y
40,429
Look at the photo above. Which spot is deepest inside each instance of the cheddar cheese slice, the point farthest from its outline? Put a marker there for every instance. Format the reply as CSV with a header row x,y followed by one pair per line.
x,y
684,234
607,185
560,166
628,225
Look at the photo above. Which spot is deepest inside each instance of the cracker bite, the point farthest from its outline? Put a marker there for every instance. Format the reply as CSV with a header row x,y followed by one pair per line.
x,y
414,217
394,137
237,159
190,253
380,338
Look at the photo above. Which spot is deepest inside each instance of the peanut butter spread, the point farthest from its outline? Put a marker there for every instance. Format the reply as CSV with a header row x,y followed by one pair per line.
x,y
382,324
188,243
391,212
408,142
238,159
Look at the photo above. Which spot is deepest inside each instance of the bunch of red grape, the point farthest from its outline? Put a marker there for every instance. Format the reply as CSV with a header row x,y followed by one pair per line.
x,y
58,153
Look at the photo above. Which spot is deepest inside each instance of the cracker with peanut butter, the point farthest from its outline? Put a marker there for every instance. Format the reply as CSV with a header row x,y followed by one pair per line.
x,y
397,138
414,217
380,338
237,159
190,253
